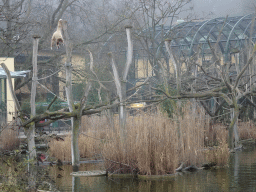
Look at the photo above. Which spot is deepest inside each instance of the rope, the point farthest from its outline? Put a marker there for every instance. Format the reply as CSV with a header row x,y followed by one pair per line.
x,y
50,75
51,92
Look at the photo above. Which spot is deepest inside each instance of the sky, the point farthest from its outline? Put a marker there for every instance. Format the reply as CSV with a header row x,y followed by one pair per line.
x,y
219,8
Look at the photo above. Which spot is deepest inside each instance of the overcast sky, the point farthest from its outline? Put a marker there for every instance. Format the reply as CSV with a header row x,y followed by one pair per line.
x,y
219,8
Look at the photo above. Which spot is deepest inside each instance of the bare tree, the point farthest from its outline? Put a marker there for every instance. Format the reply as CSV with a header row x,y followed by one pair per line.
x,y
150,19
221,84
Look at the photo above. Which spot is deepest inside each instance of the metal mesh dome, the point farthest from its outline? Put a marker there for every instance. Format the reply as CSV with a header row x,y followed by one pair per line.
x,y
234,36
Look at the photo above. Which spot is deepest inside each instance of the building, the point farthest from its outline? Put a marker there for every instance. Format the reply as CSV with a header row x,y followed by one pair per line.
x,y
187,37
7,106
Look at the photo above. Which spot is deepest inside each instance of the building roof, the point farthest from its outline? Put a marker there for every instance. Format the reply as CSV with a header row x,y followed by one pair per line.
x,y
14,74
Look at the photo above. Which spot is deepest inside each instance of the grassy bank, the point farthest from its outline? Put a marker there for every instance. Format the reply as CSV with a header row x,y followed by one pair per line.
x,y
154,145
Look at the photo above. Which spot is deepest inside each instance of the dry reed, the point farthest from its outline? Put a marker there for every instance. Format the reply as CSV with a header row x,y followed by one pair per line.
x,y
62,149
247,130
154,144
220,152
91,138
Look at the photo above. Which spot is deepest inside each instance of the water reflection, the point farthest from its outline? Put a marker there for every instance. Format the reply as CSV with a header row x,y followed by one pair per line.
x,y
240,175
242,171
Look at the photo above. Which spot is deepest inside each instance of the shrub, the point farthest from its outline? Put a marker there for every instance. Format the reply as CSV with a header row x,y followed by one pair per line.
x,y
9,139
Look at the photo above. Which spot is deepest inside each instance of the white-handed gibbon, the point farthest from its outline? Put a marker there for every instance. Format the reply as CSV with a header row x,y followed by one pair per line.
x,y
57,35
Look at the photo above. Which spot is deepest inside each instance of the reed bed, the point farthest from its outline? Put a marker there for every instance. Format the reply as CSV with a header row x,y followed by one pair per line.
x,y
91,138
247,130
219,152
62,149
151,146
154,144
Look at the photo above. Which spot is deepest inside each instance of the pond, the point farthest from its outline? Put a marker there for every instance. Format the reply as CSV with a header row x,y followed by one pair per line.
x,y
240,175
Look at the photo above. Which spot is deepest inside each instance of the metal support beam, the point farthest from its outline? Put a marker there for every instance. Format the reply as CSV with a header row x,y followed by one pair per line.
x,y
226,52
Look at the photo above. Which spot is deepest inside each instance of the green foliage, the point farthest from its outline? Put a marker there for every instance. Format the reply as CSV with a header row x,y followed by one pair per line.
x,y
25,107
41,107
56,105
3,106
169,105
93,97
77,90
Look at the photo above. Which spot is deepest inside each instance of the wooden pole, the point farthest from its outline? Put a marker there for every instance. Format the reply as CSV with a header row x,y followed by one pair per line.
x,y
75,121
120,91
121,85
68,65
129,52
31,130
122,108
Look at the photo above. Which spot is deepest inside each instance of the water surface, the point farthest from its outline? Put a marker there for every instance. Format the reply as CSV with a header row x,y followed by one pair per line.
x,y
240,175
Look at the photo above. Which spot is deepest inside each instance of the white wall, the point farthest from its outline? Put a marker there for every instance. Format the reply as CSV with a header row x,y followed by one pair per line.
x,y
9,62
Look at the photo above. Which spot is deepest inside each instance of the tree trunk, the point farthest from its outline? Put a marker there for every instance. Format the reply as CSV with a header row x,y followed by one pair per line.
x,y
75,121
233,127
234,116
122,114
74,144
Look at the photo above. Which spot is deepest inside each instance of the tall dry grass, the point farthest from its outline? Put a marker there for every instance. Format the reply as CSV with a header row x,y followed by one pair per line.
x,y
91,139
154,145
62,149
151,146
247,130
219,152
9,139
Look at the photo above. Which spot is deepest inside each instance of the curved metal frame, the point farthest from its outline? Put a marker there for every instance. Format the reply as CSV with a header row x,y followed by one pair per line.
x,y
226,52
233,29
192,42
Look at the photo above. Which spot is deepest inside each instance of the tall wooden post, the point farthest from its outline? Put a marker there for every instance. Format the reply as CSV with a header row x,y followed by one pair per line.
x,y
31,130
122,112
75,121
121,84
122,108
